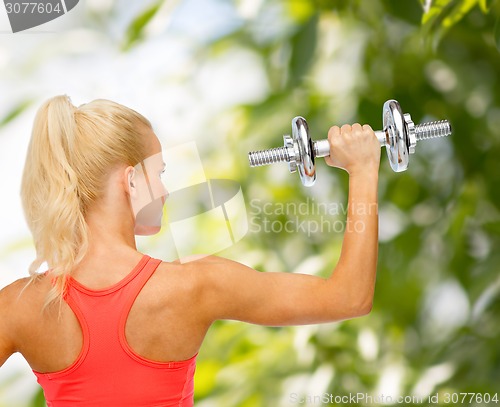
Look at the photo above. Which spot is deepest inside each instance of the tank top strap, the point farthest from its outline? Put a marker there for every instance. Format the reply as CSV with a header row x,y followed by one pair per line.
x,y
135,285
111,289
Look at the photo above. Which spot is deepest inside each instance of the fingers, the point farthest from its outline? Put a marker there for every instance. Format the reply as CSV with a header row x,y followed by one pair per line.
x,y
346,129
351,145
356,128
357,131
333,133
333,139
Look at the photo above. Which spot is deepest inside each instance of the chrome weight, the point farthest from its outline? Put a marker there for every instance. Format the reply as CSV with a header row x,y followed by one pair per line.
x,y
400,136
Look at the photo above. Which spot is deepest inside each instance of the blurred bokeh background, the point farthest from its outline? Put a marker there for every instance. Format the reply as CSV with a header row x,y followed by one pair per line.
x,y
230,75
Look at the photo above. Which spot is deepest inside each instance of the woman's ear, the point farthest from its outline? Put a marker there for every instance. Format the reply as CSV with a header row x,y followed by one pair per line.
x,y
131,181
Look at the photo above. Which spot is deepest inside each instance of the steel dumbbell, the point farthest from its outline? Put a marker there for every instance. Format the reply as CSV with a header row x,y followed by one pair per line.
x,y
400,136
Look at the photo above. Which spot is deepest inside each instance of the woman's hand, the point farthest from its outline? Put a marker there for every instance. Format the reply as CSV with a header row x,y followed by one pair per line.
x,y
354,148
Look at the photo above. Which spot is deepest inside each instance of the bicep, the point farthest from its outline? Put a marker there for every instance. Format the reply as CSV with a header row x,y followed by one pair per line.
x,y
241,293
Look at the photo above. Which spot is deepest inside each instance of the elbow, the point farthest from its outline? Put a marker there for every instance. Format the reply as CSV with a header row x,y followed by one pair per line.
x,y
349,303
365,309
352,310
363,303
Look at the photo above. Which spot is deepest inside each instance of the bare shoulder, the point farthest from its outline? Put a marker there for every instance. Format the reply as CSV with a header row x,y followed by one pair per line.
x,y
198,273
10,294
20,293
210,262
204,268
11,312
200,260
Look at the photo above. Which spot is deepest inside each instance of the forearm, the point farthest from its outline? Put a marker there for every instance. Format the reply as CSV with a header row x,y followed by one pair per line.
x,y
355,273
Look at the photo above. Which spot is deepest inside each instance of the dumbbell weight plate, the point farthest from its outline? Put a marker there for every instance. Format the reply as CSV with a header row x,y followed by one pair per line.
x,y
305,163
397,143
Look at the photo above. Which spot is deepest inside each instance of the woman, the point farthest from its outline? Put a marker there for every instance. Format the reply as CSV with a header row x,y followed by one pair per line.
x,y
110,326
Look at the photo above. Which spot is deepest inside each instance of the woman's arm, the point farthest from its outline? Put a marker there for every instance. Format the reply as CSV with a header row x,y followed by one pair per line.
x,y
230,290
5,353
6,344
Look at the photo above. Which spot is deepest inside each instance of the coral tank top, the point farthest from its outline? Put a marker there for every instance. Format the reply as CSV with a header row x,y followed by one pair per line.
x,y
108,373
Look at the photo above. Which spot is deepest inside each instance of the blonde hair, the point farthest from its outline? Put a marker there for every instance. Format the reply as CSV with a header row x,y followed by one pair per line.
x,y
69,156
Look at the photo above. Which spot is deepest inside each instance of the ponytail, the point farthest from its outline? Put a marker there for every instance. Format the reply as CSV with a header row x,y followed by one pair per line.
x,y
69,154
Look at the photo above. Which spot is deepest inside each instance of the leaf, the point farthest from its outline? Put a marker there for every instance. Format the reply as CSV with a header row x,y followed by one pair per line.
x,y
486,5
135,30
303,49
300,10
15,112
432,22
435,11
444,14
38,400
458,12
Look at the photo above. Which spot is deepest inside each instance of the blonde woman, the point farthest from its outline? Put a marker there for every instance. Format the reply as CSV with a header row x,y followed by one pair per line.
x,y
109,326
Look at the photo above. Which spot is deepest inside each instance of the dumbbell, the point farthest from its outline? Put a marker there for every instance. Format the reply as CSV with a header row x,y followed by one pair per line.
x,y
400,136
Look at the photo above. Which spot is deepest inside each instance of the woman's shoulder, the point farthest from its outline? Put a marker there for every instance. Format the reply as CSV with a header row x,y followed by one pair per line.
x,y
23,293
195,267
15,289
197,273
196,261
187,274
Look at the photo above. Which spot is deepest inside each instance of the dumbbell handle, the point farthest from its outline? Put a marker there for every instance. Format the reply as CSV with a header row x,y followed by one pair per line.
x,y
321,148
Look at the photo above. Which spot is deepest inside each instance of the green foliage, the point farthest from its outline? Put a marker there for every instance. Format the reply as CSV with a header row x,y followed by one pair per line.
x,y
136,28
443,14
303,45
38,400
497,34
15,112
445,208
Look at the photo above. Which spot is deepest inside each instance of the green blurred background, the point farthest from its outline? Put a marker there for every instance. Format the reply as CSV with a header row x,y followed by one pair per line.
x,y
231,75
